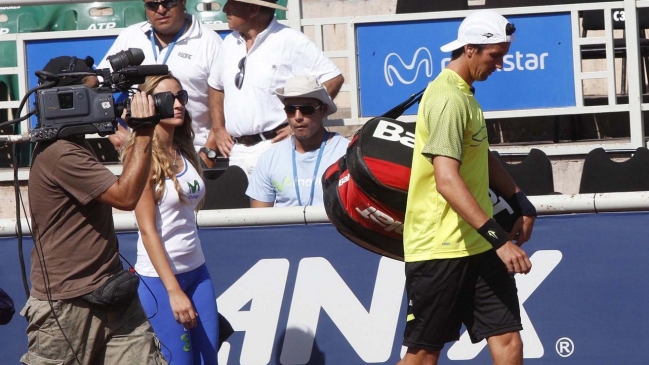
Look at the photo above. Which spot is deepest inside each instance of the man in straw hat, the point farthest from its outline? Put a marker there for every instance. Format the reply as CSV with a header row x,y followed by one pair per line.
x,y
289,173
459,261
255,59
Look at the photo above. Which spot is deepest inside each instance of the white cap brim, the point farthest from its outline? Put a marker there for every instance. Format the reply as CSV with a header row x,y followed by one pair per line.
x,y
452,46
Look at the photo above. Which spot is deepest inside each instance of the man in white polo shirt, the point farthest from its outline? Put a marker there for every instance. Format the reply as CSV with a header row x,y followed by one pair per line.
x,y
256,59
174,38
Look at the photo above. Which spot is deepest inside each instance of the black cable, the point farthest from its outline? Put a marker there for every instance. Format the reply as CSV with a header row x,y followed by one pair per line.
x,y
19,228
14,121
23,269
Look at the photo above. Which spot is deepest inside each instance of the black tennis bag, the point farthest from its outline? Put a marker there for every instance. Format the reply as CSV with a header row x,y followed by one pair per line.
x,y
366,190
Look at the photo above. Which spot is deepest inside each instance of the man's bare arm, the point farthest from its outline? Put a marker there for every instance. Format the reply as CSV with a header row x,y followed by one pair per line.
x,y
219,138
333,86
451,186
126,191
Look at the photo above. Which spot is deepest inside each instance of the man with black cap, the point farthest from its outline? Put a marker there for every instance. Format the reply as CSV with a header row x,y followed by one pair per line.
x,y
289,174
255,59
83,307
459,262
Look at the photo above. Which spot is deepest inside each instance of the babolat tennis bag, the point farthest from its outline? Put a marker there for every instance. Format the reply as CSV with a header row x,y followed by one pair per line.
x,y
365,191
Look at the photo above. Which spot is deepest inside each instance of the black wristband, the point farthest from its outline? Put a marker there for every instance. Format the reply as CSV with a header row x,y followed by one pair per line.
x,y
494,234
521,203
148,122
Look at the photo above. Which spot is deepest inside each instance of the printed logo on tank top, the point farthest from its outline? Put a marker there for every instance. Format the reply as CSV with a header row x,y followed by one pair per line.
x,y
193,189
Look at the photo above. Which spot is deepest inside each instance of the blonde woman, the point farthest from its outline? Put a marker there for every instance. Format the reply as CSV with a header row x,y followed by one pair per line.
x,y
181,300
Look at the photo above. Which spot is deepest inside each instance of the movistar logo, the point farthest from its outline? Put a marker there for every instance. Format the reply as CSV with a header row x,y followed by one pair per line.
x,y
492,234
395,65
194,188
280,186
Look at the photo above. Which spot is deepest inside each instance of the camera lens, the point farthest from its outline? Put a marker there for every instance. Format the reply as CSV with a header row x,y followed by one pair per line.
x,y
130,57
164,104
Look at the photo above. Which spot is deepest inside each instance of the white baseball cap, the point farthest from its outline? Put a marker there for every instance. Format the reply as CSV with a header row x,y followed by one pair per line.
x,y
480,27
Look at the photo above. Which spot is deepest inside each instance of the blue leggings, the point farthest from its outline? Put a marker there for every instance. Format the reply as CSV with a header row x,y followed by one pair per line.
x,y
180,347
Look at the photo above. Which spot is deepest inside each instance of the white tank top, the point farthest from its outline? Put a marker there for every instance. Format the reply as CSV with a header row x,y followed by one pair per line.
x,y
176,225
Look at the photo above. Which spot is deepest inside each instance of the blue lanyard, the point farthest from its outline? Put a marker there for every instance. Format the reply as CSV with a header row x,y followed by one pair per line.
x,y
315,171
170,46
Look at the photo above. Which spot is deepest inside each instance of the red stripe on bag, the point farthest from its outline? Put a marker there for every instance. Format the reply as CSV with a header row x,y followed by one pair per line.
x,y
368,212
389,173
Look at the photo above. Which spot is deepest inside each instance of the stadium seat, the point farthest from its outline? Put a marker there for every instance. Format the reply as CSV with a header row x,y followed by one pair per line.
x,y
96,15
603,175
228,190
593,20
211,11
423,6
104,149
533,175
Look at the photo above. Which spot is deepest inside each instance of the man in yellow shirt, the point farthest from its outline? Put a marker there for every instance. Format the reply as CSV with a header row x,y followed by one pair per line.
x,y
459,261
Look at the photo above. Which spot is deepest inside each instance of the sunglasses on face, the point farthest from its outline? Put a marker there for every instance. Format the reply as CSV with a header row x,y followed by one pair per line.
x,y
154,5
238,78
304,109
182,96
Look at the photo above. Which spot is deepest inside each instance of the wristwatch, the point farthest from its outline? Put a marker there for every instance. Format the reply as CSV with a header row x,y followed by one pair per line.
x,y
210,153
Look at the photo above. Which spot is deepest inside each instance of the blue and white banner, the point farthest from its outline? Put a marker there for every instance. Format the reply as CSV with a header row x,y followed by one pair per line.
x,y
397,59
305,295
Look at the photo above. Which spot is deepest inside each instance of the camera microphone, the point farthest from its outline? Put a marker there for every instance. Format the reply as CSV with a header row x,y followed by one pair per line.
x,y
147,70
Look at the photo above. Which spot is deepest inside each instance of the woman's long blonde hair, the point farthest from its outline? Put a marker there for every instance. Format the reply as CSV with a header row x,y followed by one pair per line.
x,y
161,163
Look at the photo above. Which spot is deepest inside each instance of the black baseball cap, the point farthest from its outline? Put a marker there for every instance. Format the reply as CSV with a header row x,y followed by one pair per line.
x,y
68,64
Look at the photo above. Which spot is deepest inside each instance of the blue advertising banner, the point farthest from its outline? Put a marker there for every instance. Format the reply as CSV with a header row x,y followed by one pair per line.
x,y
397,59
302,294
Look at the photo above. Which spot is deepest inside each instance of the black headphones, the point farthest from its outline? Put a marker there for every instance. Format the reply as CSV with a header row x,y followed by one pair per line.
x,y
89,61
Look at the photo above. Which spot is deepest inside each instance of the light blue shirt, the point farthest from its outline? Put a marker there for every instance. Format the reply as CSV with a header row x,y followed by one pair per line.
x,y
272,178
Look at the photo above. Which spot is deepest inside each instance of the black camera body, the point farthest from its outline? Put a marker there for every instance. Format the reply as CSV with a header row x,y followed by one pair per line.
x,y
77,109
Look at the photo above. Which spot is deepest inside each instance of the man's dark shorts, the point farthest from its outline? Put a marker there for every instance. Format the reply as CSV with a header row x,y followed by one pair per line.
x,y
476,291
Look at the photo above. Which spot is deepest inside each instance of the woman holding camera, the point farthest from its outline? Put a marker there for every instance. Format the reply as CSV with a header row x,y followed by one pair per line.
x,y
170,259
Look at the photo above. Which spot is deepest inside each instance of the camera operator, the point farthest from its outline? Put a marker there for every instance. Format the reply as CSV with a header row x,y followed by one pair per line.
x,y
82,308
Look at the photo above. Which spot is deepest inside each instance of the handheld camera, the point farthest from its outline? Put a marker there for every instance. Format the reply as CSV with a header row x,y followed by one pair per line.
x,y
64,111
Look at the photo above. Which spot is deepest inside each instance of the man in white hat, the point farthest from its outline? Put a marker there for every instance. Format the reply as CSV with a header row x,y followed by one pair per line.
x,y
255,59
459,261
289,174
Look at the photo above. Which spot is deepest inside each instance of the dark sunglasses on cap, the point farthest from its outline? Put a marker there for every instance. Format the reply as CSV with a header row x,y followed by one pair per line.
x,y
304,109
154,5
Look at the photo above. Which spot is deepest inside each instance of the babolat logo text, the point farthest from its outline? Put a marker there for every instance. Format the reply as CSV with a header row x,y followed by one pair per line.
x,y
343,181
388,223
394,132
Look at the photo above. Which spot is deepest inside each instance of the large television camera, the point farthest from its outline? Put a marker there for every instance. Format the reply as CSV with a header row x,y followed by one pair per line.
x,y
63,111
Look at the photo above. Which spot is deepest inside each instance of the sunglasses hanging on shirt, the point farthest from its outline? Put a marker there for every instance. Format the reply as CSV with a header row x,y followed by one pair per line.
x,y
238,78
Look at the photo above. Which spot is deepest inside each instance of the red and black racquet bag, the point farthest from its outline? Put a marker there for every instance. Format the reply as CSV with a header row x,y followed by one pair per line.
x,y
365,192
